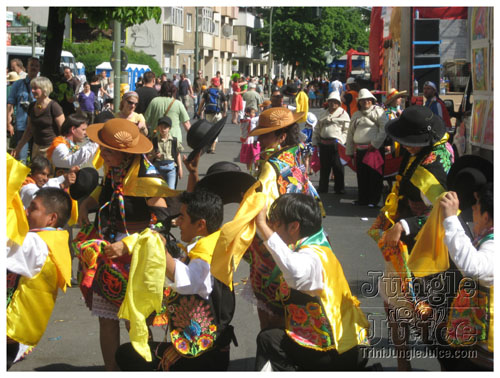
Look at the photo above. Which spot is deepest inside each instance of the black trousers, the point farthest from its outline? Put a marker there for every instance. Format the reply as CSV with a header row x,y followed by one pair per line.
x,y
129,360
370,182
330,160
275,345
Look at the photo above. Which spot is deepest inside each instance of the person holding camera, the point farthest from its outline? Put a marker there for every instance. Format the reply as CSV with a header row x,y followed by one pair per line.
x,y
19,99
45,118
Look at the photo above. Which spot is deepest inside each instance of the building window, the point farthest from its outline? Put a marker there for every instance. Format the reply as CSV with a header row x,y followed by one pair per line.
x,y
207,23
189,66
189,22
174,16
217,28
177,62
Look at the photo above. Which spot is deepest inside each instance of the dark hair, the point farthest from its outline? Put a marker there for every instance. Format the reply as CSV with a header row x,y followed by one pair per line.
x,y
64,68
39,163
202,204
168,89
292,134
148,77
248,109
94,78
57,201
298,207
75,119
485,195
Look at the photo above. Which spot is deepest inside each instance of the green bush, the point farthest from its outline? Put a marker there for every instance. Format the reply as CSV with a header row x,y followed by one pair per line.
x,y
91,54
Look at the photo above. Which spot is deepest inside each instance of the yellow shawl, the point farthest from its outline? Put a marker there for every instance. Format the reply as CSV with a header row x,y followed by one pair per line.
x,y
17,223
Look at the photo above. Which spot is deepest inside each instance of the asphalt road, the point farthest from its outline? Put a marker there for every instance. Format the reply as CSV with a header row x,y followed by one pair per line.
x,y
71,341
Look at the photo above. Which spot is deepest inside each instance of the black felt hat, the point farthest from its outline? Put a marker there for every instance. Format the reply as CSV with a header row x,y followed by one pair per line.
x,y
466,176
226,179
417,126
86,181
202,134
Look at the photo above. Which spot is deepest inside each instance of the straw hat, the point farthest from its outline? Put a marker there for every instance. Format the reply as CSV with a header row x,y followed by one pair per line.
x,y
274,119
13,76
121,135
265,104
394,94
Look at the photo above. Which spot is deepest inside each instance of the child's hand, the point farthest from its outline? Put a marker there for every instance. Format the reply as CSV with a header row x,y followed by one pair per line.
x,y
449,204
261,218
115,250
192,165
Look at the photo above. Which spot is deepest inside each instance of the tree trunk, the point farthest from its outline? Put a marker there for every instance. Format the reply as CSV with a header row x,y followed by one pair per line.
x,y
53,46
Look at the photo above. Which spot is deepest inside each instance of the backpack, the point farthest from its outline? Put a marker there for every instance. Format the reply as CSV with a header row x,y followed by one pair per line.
x,y
212,105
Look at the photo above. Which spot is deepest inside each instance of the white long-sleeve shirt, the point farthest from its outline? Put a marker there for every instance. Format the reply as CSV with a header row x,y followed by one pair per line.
x,y
28,191
301,270
192,278
62,157
27,259
475,263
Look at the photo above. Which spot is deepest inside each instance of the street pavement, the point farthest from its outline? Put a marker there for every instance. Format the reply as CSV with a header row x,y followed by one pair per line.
x,y
71,341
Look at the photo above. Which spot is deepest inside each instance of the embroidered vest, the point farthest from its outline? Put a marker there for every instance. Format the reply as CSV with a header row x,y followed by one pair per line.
x,y
280,174
470,320
197,324
31,305
330,320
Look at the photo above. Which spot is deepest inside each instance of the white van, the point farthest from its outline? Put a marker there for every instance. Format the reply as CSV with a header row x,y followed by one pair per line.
x,y
24,52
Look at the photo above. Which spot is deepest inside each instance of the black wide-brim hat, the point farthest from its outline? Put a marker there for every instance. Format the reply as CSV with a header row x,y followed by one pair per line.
x,y
226,179
202,134
417,126
86,181
466,176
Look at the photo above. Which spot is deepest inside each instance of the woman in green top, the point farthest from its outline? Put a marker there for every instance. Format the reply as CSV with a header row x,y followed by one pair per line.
x,y
158,107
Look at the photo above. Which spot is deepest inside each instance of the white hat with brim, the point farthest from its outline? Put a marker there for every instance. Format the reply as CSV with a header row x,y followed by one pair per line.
x,y
350,80
334,96
365,94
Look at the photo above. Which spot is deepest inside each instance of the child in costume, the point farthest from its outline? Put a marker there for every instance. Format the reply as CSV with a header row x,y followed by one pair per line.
x,y
250,147
39,178
324,325
35,271
199,307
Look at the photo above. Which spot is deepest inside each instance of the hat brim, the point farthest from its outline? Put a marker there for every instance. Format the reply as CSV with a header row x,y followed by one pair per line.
x,y
266,130
467,175
143,146
235,185
399,95
86,181
396,129
208,138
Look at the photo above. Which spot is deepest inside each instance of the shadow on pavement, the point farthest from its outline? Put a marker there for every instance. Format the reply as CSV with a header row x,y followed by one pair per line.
x,y
67,367
242,364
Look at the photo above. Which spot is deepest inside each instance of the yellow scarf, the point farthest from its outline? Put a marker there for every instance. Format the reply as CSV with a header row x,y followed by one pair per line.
x,y
17,223
236,236
430,254
302,102
144,287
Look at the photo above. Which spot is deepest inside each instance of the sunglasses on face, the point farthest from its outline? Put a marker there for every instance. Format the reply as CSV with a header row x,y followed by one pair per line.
x,y
132,103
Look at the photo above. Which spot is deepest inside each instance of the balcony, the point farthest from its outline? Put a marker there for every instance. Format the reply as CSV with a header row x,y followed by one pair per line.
x,y
248,52
228,45
245,19
173,34
206,41
231,12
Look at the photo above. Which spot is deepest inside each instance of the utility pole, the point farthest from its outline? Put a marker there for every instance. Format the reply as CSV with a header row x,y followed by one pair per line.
x,y
32,25
117,63
196,46
270,61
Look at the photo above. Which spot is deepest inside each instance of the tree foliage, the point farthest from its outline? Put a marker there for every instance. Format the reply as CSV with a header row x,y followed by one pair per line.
x,y
91,54
302,35
101,17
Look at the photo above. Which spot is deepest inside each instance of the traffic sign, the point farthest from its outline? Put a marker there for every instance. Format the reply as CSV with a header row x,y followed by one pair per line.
x,y
123,63
18,29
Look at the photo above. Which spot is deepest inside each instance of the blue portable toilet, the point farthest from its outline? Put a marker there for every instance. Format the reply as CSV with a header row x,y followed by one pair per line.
x,y
135,71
